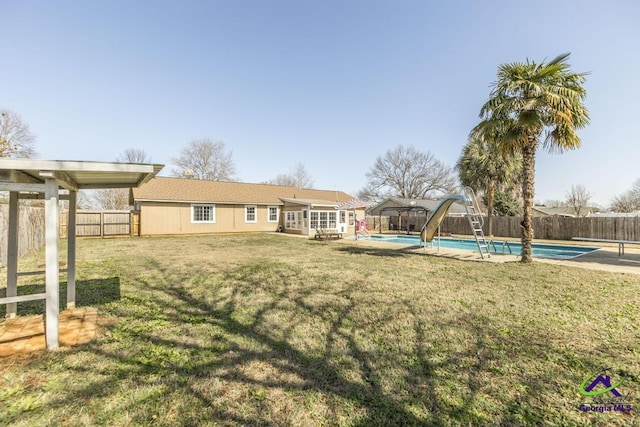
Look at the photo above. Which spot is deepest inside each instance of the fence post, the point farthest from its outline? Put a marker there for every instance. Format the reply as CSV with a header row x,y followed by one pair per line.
x,y
101,224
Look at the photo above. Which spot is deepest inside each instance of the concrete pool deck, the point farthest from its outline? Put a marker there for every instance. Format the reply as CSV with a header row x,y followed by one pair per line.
x,y
604,259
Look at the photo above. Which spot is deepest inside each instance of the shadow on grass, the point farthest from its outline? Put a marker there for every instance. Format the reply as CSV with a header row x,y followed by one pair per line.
x,y
381,252
429,375
89,293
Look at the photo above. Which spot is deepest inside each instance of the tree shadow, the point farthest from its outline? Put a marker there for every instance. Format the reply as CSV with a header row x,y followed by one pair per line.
x,y
89,293
248,337
381,252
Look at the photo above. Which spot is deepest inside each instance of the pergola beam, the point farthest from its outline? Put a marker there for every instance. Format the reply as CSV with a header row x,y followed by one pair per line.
x,y
14,186
39,196
63,179
18,177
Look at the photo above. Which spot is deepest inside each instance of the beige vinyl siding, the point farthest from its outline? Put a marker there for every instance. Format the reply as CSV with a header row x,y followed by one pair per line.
x,y
159,218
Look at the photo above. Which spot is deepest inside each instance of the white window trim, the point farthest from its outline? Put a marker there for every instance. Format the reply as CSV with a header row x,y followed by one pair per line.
x,y
213,213
255,214
269,214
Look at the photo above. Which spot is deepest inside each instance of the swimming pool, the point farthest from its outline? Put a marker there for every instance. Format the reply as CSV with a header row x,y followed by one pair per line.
x,y
539,250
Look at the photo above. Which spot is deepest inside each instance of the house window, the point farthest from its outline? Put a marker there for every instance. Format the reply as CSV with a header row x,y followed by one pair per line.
x,y
323,219
273,214
351,218
203,213
250,214
343,217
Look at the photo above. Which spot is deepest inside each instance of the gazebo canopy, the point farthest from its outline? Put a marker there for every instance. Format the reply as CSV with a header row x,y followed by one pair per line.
x,y
27,178
353,204
396,206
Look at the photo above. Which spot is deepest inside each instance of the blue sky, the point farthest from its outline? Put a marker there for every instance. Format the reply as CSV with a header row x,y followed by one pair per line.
x,y
330,84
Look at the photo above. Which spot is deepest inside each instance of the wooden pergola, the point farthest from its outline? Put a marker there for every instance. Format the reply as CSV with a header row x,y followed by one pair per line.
x,y
43,179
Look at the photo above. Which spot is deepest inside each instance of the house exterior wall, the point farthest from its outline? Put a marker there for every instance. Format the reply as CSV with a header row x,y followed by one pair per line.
x,y
161,218
157,218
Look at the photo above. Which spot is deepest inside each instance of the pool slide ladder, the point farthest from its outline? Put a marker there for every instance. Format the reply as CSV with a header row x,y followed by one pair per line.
x,y
476,221
468,199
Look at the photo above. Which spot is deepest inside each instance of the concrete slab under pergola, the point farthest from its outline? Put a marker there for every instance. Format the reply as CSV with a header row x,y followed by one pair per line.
x,y
43,179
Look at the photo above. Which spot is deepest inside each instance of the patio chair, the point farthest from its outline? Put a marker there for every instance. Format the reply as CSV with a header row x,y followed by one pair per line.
x,y
326,234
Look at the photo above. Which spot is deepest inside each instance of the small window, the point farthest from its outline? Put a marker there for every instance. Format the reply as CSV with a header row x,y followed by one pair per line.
x,y
273,214
203,213
250,214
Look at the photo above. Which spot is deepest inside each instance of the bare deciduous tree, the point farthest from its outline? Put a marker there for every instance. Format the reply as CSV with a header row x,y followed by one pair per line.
x,y
205,159
85,200
628,201
409,173
134,155
111,199
116,199
16,139
299,178
555,203
578,199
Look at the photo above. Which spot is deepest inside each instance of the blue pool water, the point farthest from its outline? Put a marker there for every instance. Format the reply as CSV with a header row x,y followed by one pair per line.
x,y
539,250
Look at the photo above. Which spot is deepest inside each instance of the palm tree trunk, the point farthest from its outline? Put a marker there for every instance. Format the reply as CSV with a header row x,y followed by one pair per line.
x,y
528,181
491,193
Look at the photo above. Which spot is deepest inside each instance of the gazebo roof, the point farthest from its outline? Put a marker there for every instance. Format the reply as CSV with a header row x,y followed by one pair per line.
x,y
393,206
353,204
75,175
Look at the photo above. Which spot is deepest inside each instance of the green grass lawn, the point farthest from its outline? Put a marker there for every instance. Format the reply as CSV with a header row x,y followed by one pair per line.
x,y
274,330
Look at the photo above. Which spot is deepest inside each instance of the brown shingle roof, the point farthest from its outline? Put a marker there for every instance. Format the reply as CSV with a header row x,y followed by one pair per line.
x,y
194,190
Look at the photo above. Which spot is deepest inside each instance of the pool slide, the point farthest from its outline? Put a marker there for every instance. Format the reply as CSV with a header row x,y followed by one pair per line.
x,y
430,227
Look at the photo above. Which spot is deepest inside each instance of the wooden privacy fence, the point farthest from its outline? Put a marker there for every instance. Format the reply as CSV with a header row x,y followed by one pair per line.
x,y
551,227
554,227
103,223
30,230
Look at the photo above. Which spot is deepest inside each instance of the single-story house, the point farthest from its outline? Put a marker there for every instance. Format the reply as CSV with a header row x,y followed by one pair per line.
x,y
191,206
613,214
568,212
409,214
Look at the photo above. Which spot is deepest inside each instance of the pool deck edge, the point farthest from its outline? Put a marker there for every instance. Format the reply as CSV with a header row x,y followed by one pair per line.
x,y
604,259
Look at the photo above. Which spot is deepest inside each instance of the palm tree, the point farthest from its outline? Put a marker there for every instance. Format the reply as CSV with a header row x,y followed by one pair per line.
x,y
530,101
482,166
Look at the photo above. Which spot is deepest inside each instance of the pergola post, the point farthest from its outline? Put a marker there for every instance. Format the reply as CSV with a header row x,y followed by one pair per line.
x,y
52,269
71,250
12,254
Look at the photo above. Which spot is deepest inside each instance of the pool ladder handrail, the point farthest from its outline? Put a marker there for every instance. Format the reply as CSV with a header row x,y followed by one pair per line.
x,y
505,244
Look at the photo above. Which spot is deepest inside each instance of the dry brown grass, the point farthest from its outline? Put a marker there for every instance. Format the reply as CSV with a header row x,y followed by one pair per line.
x,y
272,330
